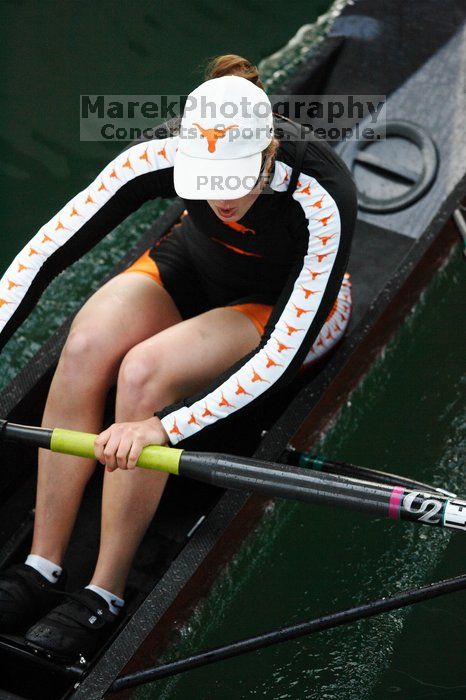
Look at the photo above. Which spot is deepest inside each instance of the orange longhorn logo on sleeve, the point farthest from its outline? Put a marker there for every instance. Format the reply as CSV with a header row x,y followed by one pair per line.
x,y
282,346
207,412
162,153
308,292
325,219
306,189
325,239
212,135
33,251
145,156
241,390
318,203
3,302
225,402
271,362
192,420
300,312
127,164
321,256
60,227
257,378
175,430
12,284
292,329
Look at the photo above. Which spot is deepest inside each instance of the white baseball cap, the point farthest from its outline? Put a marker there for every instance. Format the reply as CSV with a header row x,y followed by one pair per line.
x,y
227,123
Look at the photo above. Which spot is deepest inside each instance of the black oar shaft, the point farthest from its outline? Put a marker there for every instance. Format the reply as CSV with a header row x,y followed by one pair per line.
x,y
25,434
285,481
360,612
268,478
311,461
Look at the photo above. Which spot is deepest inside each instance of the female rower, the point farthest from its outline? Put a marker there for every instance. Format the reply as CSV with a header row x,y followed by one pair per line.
x,y
217,314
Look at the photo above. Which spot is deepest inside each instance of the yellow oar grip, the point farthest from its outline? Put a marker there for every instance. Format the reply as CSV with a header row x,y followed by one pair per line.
x,y
73,442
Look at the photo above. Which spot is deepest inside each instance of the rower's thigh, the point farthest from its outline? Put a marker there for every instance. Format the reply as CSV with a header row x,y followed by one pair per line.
x,y
127,309
192,353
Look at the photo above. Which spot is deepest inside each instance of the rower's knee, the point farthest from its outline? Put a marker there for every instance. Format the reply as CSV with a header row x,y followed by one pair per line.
x,y
143,376
86,353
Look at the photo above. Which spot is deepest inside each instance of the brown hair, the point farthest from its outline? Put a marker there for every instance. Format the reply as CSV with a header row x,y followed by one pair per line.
x,y
231,64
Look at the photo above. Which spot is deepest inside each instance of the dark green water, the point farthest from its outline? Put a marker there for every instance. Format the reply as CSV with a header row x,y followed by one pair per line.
x,y
409,415
51,53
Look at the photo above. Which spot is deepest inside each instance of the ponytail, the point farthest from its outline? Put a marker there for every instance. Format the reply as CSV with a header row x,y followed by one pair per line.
x,y
231,64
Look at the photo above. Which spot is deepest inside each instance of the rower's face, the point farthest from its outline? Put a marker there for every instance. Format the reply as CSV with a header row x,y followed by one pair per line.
x,y
235,209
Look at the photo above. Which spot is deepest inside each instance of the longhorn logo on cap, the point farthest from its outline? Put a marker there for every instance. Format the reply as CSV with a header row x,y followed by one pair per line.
x,y
212,135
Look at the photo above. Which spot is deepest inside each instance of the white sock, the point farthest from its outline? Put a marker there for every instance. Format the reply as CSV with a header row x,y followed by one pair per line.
x,y
113,601
45,567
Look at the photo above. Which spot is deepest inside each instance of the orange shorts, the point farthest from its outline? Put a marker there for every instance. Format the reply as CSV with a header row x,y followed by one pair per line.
x,y
258,313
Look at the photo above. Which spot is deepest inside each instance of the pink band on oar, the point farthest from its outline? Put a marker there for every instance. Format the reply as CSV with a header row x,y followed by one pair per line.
x,y
395,502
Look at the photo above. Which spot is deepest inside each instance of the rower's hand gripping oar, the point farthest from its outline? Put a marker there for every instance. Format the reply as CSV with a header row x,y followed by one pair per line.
x,y
267,478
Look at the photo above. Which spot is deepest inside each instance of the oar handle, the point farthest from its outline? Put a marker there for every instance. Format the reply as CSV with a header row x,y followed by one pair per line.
x,y
79,444
73,442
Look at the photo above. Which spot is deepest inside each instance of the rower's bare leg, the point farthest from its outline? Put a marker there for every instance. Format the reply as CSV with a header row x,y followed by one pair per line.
x,y
126,310
176,363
